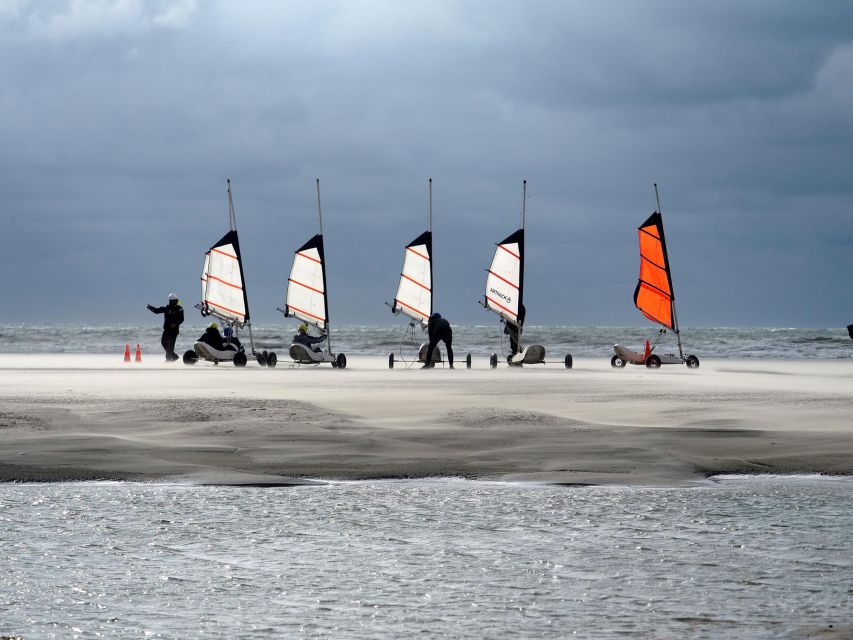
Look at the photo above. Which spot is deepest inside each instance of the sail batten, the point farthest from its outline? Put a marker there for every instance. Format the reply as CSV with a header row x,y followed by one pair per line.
x,y
414,292
654,295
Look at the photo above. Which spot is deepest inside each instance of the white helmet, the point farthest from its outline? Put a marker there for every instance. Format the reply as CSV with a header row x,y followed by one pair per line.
x,y
172,296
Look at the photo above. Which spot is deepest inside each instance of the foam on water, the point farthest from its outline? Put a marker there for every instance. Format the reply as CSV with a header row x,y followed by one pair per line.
x,y
710,342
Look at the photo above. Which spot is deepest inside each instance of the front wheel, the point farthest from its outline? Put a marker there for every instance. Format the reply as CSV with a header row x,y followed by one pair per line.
x,y
272,359
493,361
692,362
261,358
653,362
468,361
568,361
190,357
390,360
341,361
240,359
616,362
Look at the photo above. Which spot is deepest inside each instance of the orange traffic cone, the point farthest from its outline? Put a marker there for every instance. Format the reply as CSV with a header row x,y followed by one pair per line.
x,y
127,353
138,354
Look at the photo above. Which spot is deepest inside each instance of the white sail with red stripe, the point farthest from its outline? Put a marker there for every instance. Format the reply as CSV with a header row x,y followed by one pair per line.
x,y
505,279
223,293
306,286
414,294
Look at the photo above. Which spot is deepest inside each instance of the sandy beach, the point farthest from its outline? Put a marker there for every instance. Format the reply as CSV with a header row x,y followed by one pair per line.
x,y
73,417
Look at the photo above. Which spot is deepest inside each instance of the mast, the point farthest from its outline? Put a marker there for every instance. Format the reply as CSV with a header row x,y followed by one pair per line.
x,y
323,266
672,288
518,325
429,222
232,219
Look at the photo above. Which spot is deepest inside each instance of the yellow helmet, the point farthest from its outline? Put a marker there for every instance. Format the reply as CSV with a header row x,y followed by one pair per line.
x,y
213,325
303,328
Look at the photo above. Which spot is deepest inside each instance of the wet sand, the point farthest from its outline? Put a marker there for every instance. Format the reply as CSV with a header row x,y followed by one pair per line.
x,y
72,417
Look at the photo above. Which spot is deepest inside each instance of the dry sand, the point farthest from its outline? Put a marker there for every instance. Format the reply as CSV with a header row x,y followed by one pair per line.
x,y
68,417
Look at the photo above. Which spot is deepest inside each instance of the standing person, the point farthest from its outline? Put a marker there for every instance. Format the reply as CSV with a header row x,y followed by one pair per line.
x,y
513,330
439,330
173,316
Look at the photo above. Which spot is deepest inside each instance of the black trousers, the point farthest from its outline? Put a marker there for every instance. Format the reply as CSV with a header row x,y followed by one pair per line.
x,y
168,341
512,331
441,336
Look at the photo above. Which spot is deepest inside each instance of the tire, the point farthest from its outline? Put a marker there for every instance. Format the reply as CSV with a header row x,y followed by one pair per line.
x,y
493,361
390,360
653,362
692,362
468,361
261,358
617,362
272,359
568,361
341,361
240,359
190,357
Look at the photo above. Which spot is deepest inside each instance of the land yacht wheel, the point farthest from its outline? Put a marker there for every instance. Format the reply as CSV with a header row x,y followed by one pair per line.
x,y
568,361
493,361
341,361
261,358
692,362
617,363
468,361
272,359
390,360
240,359
190,357
653,362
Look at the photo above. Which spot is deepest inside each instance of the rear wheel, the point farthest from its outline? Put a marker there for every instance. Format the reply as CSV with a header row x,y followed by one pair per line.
x,y
493,361
272,359
468,361
240,359
190,357
568,361
692,362
341,361
390,360
653,362
261,358
616,362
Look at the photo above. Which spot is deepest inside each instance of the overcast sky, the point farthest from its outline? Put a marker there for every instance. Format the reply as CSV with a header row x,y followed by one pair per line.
x,y
120,121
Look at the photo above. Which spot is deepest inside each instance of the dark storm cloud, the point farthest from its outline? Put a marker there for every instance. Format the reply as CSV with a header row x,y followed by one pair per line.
x,y
122,119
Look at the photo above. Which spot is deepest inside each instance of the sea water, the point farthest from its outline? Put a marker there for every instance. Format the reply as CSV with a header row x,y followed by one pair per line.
x,y
738,558
480,341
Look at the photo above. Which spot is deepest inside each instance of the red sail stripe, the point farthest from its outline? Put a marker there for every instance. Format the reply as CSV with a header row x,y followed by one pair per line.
x,y
219,306
500,246
411,307
420,255
229,284
302,284
514,286
498,304
422,286
290,306
224,253
307,257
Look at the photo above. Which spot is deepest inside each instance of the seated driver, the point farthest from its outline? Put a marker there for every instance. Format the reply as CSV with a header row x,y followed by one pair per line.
x,y
231,339
212,337
307,340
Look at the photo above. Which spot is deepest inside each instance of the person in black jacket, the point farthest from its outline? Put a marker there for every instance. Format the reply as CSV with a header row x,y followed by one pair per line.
x,y
302,337
439,330
513,330
173,316
212,337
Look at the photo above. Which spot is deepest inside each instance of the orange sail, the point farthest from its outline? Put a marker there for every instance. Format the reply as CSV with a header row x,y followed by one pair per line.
x,y
653,295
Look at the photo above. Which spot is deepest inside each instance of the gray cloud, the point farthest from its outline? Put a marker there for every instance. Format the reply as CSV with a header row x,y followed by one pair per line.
x,y
122,119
